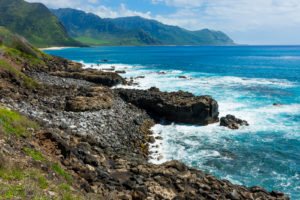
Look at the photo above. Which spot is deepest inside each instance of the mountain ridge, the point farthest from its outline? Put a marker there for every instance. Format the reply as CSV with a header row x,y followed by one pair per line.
x,y
35,22
135,31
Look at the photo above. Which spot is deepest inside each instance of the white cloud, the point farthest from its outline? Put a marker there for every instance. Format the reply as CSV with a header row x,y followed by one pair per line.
x,y
180,3
269,19
121,11
90,6
236,17
63,3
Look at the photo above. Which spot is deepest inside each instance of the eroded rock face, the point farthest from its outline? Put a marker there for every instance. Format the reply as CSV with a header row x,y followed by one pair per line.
x,y
232,122
96,98
94,76
180,107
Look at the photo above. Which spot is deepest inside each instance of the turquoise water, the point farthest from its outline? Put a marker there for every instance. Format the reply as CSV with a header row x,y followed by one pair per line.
x,y
246,81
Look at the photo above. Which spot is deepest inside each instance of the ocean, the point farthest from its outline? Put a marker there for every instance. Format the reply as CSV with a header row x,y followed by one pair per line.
x,y
246,81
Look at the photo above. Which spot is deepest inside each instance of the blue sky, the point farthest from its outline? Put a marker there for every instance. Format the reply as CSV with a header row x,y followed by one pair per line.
x,y
245,21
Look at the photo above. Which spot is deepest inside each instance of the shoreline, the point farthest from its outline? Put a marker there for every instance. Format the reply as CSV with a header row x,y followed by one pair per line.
x,y
103,140
56,48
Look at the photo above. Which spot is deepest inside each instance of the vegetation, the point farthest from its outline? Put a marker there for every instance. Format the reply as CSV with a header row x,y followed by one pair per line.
x,y
13,123
61,172
29,82
35,22
35,154
91,29
19,178
31,183
9,192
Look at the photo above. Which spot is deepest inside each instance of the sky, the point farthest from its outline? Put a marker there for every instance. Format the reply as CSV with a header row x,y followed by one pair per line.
x,y
245,21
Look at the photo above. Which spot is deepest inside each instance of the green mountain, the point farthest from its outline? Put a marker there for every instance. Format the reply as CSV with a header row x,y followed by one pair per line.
x,y
174,35
35,22
91,29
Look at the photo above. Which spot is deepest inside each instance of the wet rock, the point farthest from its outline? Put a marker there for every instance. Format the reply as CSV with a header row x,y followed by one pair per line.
x,y
162,73
159,138
112,68
183,77
232,122
160,157
151,139
277,193
180,107
121,72
277,104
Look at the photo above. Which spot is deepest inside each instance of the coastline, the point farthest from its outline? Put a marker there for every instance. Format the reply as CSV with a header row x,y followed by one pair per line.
x,y
56,48
154,78
103,140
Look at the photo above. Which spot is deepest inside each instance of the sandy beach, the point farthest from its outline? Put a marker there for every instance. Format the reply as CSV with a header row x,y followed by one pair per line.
x,y
54,48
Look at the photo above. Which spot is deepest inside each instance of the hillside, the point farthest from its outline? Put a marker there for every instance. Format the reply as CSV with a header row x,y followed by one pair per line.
x,y
35,22
92,29
174,35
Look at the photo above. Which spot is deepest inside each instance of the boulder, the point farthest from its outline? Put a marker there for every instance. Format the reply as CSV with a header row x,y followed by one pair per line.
x,y
183,77
232,122
96,98
179,107
121,72
95,76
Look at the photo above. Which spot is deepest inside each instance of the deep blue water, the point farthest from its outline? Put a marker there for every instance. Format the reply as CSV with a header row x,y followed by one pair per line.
x,y
246,81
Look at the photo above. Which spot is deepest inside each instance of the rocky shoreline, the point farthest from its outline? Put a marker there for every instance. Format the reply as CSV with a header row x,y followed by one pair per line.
x,y
101,136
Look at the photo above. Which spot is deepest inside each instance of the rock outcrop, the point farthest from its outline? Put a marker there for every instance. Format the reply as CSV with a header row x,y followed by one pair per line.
x,y
179,107
100,151
232,122
94,76
95,98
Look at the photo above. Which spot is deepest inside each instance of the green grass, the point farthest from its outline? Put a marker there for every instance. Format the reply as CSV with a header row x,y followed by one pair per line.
x,y
11,192
32,183
15,124
35,154
33,60
42,182
94,42
35,22
62,173
64,187
13,174
29,82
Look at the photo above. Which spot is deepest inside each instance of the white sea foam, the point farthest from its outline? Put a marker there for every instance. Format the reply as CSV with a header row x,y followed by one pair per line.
x,y
261,117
